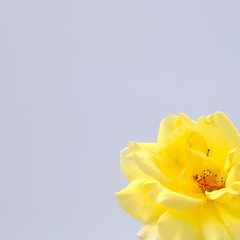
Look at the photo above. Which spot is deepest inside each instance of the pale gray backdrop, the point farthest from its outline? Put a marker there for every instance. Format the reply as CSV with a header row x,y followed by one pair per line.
x,y
81,78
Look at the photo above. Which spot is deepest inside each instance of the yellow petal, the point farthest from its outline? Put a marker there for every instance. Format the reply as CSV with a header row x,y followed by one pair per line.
x,y
174,150
149,231
160,194
234,188
172,122
129,167
233,174
213,227
230,160
231,218
221,195
179,225
134,199
147,158
201,161
221,134
216,194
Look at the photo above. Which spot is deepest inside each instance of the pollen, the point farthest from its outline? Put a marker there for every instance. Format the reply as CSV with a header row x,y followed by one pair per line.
x,y
208,181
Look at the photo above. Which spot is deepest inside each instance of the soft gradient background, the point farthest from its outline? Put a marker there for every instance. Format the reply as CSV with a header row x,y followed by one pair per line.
x,y
81,78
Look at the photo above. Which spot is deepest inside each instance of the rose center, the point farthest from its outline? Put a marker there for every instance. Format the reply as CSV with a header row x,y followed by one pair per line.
x,y
208,181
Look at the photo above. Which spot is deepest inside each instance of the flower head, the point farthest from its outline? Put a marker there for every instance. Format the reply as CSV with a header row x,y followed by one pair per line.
x,y
187,184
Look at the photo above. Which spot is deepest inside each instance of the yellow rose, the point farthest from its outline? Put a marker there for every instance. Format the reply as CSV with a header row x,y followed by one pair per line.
x,y
187,185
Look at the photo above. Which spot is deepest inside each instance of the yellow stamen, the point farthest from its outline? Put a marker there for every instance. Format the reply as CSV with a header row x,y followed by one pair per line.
x,y
208,181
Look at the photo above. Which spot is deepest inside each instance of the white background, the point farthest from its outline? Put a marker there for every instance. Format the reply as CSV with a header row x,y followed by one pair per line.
x,y
78,80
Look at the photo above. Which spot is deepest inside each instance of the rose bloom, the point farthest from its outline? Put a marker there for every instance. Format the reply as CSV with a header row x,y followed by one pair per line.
x,y
187,185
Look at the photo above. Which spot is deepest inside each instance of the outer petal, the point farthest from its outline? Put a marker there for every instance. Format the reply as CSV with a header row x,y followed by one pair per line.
x,y
179,225
135,201
147,158
129,167
213,226
231,217
160,194
221,134
149,232
171,123
214,229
